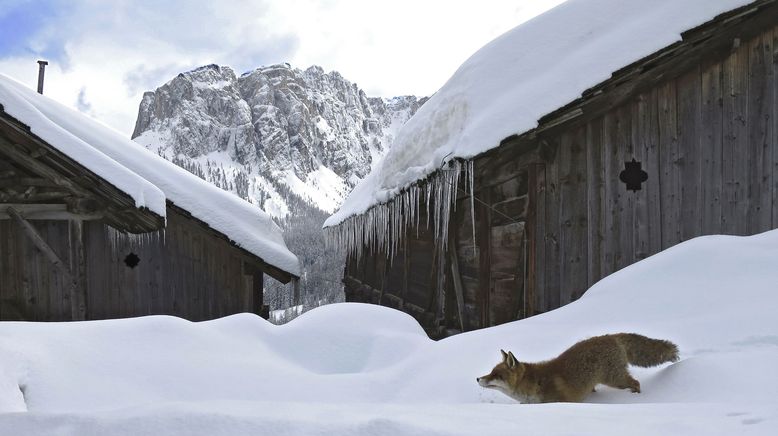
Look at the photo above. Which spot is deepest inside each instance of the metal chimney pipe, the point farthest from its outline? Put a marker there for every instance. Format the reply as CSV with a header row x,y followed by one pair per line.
x,y
41,72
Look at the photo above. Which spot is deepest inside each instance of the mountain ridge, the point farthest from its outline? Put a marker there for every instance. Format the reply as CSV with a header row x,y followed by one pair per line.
x,y
272,133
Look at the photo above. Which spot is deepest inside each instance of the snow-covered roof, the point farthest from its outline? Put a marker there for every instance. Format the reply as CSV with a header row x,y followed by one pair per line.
x,y
14,97
146,177
528,72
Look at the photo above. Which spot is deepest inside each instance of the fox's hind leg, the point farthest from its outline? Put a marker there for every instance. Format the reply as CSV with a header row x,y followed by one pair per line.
x,y
623,380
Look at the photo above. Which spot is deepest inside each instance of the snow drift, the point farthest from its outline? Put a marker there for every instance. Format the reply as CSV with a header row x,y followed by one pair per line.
x,y
363,369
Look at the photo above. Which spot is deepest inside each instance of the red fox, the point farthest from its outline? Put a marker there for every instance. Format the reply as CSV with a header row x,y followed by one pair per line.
x,y
573,374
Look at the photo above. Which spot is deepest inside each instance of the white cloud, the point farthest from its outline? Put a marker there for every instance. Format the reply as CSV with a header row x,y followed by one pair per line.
x,y
116,50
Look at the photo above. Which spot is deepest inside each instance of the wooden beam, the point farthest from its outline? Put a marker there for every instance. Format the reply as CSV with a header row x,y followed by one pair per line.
x,y
39,242
54,212
30,196
77,298
25,181
39,168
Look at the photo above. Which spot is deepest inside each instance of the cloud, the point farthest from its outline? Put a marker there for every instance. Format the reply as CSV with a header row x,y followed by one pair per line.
x,y
23,25
114,51
143,78
82,104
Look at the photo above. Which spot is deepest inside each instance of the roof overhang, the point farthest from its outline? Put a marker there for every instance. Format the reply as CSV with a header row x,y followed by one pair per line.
x,y
81,190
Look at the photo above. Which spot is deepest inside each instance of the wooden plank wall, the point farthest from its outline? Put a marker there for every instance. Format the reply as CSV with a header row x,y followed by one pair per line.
x,y
186,271
30,288
183,271
707,141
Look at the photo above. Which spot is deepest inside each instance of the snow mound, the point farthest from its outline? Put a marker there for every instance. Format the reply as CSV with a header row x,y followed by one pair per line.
x,y
362,369
350,338
509,84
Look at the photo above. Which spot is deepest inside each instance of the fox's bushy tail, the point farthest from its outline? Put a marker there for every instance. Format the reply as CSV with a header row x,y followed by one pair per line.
x,y
646,352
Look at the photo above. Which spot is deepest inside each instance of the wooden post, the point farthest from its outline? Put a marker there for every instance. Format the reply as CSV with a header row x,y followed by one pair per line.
x,y
440,286
483,241
530,239
78,296
406,269
456,278
296,292
257,295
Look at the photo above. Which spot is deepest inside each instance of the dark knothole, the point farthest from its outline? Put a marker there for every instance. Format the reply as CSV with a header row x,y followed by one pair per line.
x,y
633,175
132,260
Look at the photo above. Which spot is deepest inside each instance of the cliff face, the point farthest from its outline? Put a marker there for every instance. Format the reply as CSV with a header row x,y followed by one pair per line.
x,y
275,135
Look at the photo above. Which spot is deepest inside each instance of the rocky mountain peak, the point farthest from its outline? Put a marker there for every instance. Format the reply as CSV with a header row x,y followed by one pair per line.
x,y
272,132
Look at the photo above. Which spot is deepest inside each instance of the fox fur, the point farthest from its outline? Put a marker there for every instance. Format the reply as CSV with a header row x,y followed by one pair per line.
x,y
572,375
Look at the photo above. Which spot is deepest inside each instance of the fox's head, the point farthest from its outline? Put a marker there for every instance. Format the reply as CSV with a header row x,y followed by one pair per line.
x,y
505,375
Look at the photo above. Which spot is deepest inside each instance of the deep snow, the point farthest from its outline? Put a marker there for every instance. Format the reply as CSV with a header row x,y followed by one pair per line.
x,y
369,370
509,84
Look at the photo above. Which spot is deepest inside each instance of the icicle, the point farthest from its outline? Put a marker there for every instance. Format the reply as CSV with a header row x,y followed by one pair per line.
x,y
383,227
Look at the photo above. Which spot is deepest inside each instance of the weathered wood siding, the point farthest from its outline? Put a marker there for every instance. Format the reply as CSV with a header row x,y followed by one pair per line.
x,y
707,141
30,287
185,270
552,216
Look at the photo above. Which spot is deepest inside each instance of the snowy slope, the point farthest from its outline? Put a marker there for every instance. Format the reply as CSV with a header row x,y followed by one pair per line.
x,y
126,163
528,72
272,132
354,369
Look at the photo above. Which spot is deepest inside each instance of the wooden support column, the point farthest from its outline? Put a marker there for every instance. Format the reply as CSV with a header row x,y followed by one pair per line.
x,y
257,294
456,277
439,279
483,241
78,297
296,292
530,238
406,268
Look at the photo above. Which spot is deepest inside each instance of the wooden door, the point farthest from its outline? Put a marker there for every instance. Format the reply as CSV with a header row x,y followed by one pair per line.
x,y
505,239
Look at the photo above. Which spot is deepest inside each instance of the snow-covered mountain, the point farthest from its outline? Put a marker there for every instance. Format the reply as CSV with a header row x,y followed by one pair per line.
x,y
272,134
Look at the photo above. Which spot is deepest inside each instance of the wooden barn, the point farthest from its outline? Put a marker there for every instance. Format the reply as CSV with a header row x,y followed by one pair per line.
x,y
682,141
93,226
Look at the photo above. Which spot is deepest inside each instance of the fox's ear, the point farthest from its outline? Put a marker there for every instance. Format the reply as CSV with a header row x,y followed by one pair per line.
x,y
504,355
511,360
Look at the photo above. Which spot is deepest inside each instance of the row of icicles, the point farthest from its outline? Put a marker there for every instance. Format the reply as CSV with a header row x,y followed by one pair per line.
x,y
382,228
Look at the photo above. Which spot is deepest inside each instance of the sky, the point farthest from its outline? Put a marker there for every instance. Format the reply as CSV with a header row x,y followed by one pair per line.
x,y
104,54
